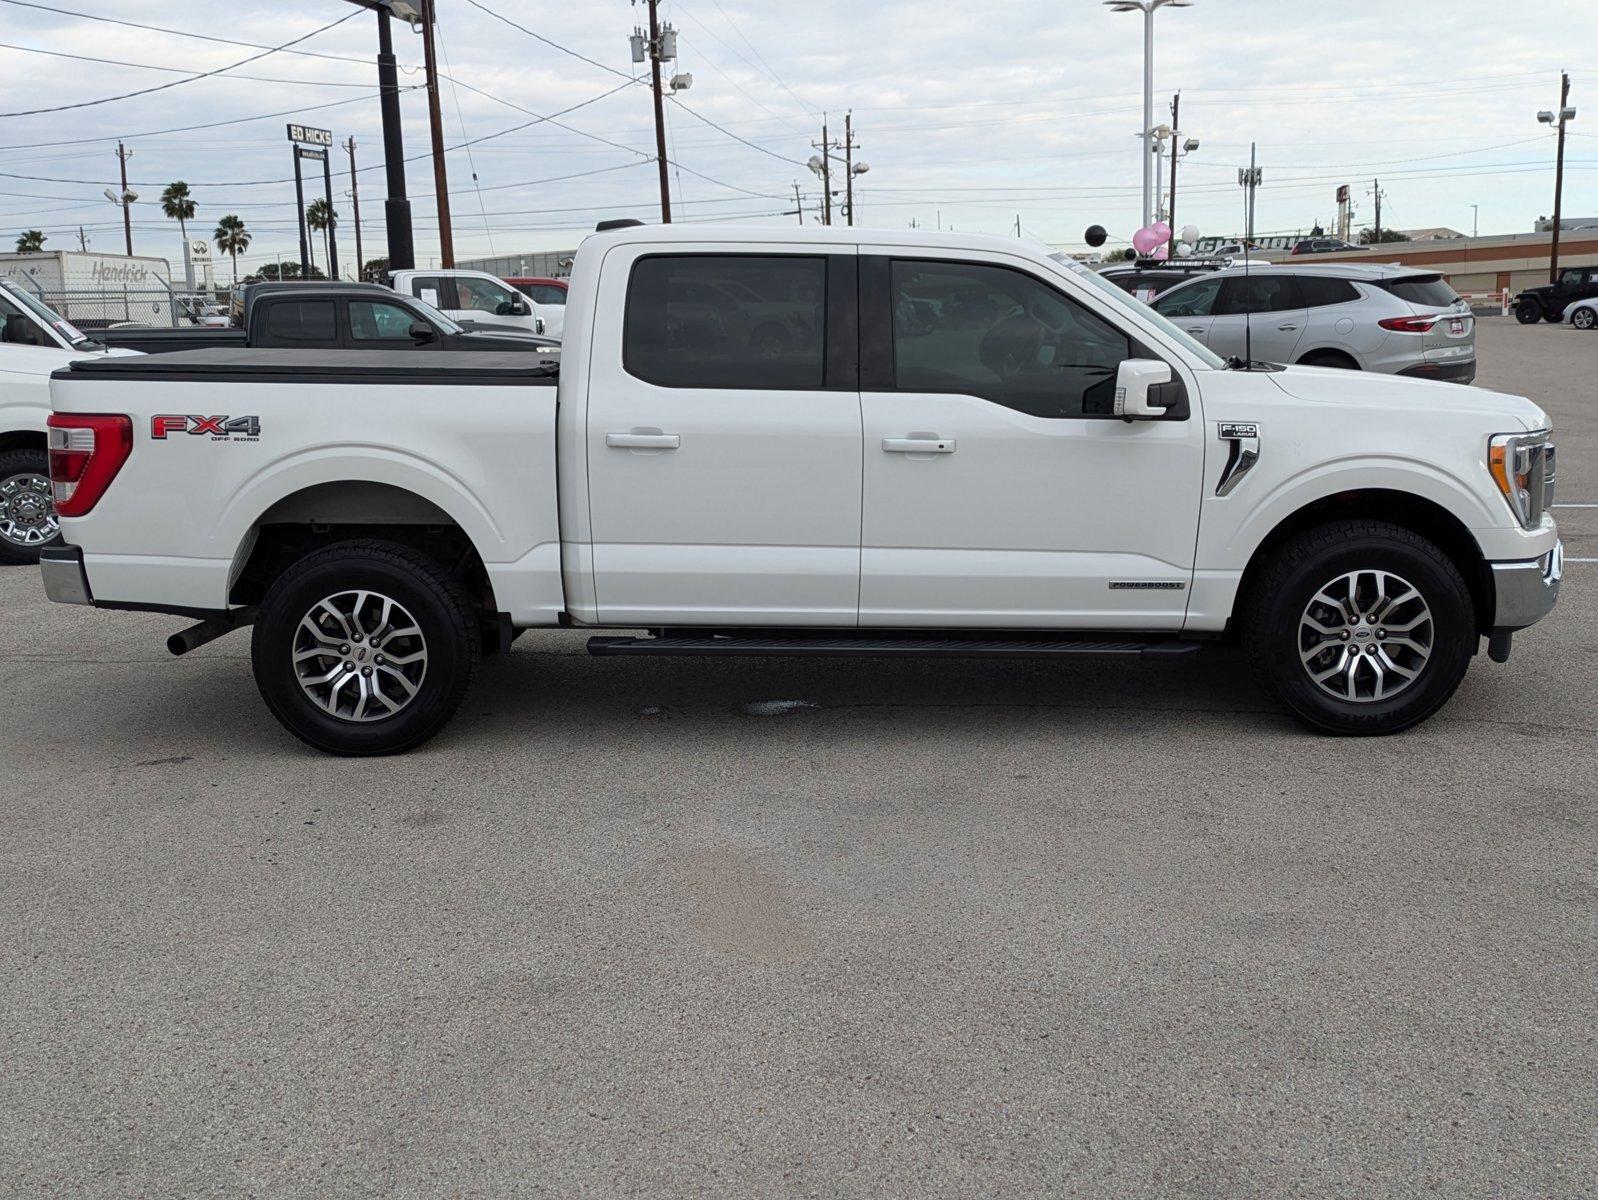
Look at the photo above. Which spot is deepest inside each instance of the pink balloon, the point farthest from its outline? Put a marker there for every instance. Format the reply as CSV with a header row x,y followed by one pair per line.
x,y
1144,241
1163,229
1162,252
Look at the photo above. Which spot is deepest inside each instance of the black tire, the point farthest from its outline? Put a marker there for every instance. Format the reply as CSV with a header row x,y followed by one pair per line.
x,y
1279,598
435,602
1553,318
15,463
1584,318
1528,312
1328,358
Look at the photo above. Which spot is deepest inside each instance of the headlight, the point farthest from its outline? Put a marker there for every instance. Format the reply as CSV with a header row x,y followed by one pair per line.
x,y
1522,465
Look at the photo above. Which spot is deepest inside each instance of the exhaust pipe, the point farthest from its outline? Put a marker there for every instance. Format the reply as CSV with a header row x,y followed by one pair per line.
x,y
195,636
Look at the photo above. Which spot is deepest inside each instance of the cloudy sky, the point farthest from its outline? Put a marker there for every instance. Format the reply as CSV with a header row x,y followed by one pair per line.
x,y
972,115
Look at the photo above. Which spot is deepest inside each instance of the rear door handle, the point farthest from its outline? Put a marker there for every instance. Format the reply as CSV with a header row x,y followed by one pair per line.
x,y
918,445
1287,328
643,441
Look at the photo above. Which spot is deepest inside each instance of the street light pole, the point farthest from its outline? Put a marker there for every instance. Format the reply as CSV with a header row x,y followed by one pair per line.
x,y
396,205
1147,8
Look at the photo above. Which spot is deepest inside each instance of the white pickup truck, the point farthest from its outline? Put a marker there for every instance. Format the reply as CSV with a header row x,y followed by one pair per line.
x,y
815,442
479,300
34,341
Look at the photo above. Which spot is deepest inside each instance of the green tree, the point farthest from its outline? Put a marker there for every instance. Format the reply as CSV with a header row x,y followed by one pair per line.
x,y
289,270
1367,237
178,205
231,236
320,215
375,270
31,241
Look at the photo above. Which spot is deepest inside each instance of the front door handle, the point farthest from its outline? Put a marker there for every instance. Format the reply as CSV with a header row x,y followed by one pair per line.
x,y
1198,330
918,445
643,441
1287,328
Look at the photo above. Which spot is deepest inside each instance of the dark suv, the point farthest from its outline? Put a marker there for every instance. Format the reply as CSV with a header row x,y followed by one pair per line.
x,y
1548,303
1323,245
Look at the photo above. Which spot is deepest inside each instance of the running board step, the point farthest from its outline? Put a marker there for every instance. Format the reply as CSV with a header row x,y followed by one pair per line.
x,y
888,647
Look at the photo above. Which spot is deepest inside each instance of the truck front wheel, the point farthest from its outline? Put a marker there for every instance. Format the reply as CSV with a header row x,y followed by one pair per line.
x,y
27,516
1528,312
365,648
1360,627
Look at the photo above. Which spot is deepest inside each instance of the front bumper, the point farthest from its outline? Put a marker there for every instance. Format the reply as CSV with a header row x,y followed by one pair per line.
x,y
65,580
1525,592
1446,372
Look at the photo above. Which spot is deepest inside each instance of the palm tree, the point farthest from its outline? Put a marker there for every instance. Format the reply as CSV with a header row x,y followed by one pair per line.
x,y
30,242
320,215
178,206
232,238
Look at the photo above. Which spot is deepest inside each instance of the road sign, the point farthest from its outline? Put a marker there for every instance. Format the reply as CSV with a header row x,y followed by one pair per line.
x,y
309,136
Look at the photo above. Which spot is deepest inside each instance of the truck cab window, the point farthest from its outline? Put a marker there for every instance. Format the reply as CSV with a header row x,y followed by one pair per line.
x,y
17,330
434,290
376,321
483,295
302,321
727,321
1002,335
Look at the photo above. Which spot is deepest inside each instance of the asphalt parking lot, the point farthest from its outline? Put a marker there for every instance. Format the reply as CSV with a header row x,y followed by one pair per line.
x,y
748,928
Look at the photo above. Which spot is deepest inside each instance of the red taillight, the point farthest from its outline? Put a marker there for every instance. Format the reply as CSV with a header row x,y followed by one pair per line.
x,y
1409,324
86,452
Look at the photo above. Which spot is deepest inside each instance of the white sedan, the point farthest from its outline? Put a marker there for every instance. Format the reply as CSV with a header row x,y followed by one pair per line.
x,y
1583,314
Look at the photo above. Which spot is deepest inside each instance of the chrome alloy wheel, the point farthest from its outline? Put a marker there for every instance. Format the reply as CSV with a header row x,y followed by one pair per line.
x,y
359,656
27,516
1365,636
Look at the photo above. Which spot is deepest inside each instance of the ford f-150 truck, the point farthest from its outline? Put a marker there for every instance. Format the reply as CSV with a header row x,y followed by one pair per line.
x,y
807,442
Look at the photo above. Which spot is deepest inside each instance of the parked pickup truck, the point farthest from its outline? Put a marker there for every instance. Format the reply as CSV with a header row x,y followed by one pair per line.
x,y
1035,466
333,316
34,341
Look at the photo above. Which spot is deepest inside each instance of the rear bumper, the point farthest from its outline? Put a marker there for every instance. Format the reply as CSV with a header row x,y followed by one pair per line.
x,y
1525,592
1446,372
65,580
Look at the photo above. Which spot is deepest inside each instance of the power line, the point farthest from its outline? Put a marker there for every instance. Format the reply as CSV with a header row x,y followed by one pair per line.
x,y
161,87
548,42
735,137
200,37
117,62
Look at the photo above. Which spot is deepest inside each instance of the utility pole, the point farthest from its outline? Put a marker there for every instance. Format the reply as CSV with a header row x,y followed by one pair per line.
x,y
798,203
824,169
1249,179
83,241
355,203
1565,114
396,206
660,111
848,165
446,235
123,154
1376,191
1176,141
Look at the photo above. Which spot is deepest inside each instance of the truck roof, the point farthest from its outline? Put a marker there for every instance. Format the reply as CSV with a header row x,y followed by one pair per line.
x,y
238,364
821,235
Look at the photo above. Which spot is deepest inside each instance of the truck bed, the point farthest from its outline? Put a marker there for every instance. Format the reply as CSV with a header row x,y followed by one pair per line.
x,y
242,365
167,341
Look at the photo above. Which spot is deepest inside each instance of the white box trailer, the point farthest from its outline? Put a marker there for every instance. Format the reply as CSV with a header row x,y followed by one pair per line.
x,y
95,291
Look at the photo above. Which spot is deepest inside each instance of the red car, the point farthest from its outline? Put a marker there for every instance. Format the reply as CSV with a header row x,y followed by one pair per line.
x,y
539,289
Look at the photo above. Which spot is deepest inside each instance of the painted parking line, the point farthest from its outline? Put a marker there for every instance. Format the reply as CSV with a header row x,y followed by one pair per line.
x,y
1576,506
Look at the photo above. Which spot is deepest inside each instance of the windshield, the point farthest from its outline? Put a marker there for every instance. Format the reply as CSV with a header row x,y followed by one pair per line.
x,y
438,318
63,328
1122,300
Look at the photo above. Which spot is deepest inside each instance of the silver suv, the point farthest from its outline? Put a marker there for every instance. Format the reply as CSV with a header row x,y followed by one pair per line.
x,y
1391,319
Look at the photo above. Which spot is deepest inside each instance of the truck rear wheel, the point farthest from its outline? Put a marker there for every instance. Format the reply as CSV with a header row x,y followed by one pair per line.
x,y
365,648
27,515
1360,627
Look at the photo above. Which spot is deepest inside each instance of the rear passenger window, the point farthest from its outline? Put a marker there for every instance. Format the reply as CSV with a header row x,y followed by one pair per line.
x,y
302,321
1320,293
727,321
1259,294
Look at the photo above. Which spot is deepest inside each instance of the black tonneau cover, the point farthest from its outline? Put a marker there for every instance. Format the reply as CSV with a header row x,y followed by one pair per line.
x,y
241,365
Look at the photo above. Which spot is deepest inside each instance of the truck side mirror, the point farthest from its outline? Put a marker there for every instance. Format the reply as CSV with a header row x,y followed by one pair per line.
x,y
1143,389
423,332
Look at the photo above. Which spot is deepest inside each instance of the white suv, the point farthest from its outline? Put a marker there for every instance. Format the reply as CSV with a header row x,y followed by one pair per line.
x,y
1390,319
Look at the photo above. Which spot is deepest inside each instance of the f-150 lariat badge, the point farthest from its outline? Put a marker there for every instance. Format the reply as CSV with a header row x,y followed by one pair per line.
x,y
1244,439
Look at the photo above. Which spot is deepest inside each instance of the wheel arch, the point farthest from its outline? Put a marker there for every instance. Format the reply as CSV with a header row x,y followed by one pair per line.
x,y
1322,354
1416,513
326,513
22,439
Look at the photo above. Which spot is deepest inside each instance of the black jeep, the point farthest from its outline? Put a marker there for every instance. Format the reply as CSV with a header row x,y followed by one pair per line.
x,y
1548,303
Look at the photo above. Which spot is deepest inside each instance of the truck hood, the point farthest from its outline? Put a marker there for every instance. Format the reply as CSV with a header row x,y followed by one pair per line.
x,y
1362,390
41,361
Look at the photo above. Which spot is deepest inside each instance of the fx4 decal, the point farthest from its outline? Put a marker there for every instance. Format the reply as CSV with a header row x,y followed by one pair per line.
x,y
219,428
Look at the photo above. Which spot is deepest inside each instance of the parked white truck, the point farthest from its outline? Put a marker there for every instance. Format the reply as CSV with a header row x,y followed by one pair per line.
x,y
819,441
